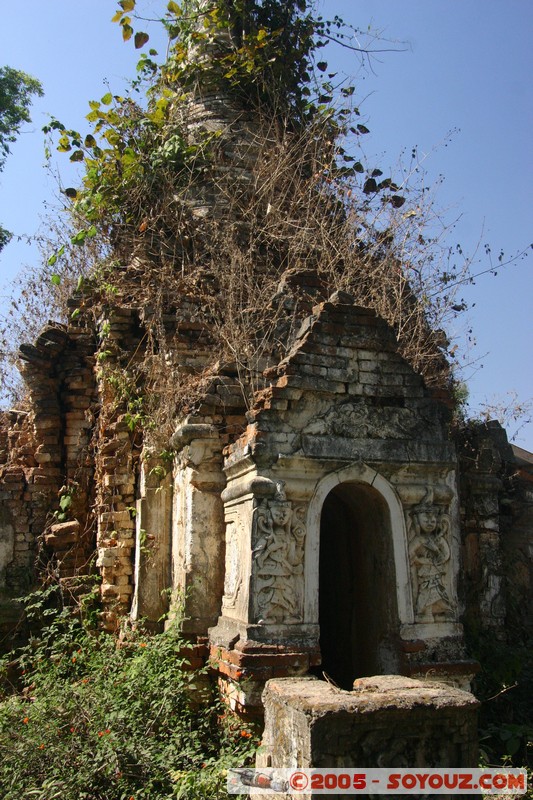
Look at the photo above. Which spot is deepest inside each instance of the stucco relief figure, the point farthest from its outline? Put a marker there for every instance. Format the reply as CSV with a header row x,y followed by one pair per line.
x,y
279,561
429,554
233,577
357,420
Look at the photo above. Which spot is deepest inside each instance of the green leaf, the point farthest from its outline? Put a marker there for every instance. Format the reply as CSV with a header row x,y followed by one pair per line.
x,y
64,144
77,155
66,500
322,66
358,167
55,278
75,313
107,99
174,8
127,5
140,39
89,141
127,32
362,129
113,137
128,158
79,238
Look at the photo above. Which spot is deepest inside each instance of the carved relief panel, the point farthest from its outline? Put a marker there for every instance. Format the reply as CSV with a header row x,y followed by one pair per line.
x,y
428,527
278,560
234,569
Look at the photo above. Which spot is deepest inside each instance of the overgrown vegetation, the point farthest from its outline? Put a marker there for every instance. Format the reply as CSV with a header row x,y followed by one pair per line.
x,y
228,170
88,716
503,687
505,680
234,178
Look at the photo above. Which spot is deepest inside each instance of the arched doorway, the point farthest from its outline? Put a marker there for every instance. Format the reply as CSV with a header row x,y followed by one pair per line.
x,y
357,609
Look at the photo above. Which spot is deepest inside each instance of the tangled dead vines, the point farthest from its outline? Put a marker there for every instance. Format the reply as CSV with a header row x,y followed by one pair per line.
x,y
211,203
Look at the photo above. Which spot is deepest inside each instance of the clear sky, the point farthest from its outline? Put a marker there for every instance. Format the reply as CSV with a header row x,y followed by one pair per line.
x,y
467,66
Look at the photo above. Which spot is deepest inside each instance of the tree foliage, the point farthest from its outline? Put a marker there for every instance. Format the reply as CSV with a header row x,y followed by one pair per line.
x,y
262,54
17,90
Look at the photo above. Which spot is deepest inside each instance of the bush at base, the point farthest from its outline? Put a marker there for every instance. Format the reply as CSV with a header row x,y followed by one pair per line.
x,y
92,720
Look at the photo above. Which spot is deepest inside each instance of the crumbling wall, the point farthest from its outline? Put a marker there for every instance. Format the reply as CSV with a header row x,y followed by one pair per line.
x,y
497,533
72,466
17,544
45,455
517,528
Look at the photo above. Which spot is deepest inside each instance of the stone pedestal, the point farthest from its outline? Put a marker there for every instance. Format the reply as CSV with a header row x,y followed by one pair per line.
x,y
386,721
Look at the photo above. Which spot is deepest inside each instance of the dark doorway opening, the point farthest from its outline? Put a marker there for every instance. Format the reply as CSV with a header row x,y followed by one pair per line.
x,y
357,587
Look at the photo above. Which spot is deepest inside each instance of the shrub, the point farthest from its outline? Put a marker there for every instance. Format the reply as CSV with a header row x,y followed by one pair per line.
x,y
97,717
504,688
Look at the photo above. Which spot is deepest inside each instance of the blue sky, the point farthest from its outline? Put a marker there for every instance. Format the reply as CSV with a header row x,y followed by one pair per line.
x,y
467,66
